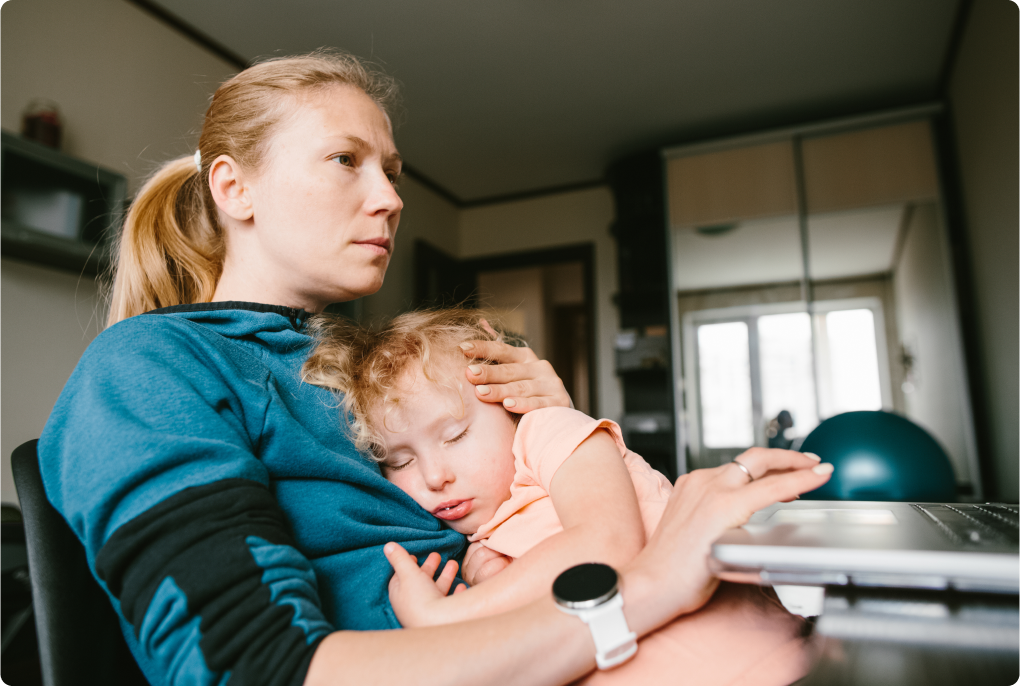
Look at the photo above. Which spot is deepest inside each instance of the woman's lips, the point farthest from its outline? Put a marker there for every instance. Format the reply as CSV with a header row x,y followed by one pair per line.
x,y
380,246
453,509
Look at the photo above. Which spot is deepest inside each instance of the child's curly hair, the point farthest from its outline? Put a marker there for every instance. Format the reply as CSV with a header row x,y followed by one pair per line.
x,y
365,365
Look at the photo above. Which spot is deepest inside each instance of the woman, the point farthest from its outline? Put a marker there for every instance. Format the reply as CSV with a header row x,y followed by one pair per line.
x,y
231,522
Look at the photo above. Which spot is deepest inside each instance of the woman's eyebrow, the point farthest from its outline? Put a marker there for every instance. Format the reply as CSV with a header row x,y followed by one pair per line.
x,y
394,158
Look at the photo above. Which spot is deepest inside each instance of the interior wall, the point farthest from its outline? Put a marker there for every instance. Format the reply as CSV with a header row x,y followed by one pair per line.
x,y
131,92
925,319
49,317
551,221
984,103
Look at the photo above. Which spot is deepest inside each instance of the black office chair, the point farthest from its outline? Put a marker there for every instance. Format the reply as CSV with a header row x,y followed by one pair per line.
x,y
79,635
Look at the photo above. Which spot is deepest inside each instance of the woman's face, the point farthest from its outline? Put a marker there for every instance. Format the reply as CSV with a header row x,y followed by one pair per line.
x,y
325,203
457,465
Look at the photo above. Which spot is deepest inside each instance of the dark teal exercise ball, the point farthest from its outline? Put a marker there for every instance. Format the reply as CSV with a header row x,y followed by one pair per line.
x,y
880,456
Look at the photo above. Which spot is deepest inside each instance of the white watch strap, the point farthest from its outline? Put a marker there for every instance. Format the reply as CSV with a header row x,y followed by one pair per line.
x,y
615,643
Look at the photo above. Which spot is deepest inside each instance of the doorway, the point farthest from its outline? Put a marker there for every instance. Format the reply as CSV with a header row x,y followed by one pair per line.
x,y
545,298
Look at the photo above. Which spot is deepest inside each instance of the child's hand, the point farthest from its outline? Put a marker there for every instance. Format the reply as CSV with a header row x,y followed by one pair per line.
x,y
481,563
417,598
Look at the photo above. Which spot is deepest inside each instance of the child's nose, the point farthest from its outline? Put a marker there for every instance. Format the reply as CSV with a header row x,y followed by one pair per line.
x,y
438,476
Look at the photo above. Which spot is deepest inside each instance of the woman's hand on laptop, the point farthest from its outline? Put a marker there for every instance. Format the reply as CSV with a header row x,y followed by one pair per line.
x,y
673,567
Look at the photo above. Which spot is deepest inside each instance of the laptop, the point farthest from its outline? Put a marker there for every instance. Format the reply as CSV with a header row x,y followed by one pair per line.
x,y
958,546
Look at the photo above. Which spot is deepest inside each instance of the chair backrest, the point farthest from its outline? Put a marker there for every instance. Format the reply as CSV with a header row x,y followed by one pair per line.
x,y
880,456
80,640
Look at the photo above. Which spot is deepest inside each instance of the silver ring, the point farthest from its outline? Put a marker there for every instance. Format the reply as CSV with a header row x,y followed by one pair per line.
x,y
744,469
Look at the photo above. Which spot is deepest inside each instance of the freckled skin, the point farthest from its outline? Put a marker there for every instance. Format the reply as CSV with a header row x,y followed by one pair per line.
x,y
327,185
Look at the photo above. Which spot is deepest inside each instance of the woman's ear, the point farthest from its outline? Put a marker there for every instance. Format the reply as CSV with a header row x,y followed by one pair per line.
x,y
229,188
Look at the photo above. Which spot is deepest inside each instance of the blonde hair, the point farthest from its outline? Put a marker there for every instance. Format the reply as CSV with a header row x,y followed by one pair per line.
x,y
367,365
171,248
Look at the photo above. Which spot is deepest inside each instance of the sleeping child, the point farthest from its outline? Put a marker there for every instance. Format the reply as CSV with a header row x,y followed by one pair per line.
x,y
550,489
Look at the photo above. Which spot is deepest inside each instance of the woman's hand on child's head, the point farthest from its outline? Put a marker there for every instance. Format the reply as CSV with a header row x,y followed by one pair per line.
x,y
519,380
481,563
674,565
416,594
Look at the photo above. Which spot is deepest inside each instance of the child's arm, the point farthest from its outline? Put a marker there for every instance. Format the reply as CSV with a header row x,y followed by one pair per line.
x,y
595,501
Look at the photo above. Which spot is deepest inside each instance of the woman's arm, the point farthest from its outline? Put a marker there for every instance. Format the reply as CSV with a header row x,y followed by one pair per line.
x,y
540,645
705,504
595,501
536,645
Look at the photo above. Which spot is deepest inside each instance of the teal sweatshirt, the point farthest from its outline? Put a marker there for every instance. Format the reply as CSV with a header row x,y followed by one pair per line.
x,y
220,501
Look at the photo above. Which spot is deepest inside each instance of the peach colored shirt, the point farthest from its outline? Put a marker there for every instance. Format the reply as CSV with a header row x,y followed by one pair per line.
x,y
742,637
544,440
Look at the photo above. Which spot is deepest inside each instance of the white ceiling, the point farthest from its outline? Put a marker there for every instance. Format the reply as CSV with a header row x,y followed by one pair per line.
x,y
508,96
757,251
854,242
842,244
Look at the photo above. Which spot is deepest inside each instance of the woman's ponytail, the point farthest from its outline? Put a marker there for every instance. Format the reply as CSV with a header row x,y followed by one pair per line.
x,y
171,248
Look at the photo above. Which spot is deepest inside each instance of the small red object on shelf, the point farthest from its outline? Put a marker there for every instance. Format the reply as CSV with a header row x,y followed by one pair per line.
x,y
41,123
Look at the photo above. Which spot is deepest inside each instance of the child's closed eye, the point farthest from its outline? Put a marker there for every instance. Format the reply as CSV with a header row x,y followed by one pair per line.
x,y
458,437
397,467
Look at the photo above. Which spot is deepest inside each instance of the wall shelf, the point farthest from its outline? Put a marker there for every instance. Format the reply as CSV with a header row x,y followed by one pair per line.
x,y
57,210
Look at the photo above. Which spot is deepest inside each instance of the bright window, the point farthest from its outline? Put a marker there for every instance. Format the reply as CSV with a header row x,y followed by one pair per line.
x,y
787,381
754,362
853,363
724,369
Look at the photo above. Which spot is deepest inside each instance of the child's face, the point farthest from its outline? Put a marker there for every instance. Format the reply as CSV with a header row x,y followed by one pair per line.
x,y
457,466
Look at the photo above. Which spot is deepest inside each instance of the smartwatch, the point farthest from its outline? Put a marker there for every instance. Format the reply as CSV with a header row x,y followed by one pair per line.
x,y
591,591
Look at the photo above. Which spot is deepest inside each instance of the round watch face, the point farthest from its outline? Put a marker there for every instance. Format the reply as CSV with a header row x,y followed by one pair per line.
x,y
585,586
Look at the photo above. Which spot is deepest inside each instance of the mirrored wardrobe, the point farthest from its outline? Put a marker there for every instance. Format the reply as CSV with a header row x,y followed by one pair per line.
x,y
811,276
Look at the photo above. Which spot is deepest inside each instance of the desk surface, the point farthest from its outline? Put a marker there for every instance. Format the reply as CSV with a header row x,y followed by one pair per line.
x,y
879,637
869,663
